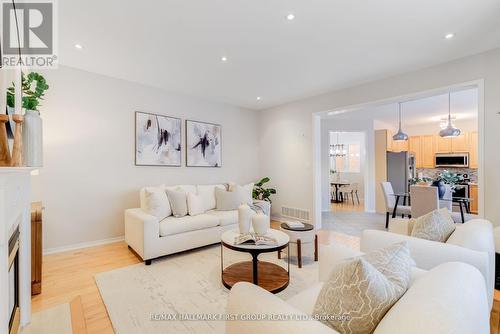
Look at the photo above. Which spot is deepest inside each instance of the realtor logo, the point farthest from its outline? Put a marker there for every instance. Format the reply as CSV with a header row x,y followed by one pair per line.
x,y
28,34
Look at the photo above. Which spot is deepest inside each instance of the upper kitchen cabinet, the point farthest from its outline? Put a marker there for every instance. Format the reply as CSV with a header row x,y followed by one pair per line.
x,y
389,135
460,143
443,145
399,145
427,149
415,147
473,149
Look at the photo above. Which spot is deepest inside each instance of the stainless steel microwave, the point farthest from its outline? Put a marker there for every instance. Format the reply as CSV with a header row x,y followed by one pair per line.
x,y
451,160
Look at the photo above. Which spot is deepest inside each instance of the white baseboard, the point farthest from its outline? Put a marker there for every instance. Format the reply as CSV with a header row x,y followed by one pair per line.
x,y
82,245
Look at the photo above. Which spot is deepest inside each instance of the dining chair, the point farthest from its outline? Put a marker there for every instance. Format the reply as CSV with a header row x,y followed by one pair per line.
x,y
390,203
352,190
424,199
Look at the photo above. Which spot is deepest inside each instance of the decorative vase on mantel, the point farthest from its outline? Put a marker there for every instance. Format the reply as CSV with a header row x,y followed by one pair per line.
x,y
32,139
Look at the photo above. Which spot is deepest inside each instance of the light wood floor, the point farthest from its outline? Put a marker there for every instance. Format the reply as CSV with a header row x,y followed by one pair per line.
x,y
347,206
70,275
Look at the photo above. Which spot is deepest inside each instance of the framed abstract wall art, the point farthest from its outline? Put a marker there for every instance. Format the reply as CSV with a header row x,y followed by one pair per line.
x,y
203,144
157,140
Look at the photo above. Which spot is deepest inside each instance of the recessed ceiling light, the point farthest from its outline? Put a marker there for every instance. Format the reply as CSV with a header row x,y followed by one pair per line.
x,y
224,59
449,36
79,46
259,98
290,17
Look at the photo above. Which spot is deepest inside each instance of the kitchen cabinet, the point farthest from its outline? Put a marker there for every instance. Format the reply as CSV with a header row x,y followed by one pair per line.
x,y
460,143
399,145
473,149
473,193
443,145
415,147
427,149
389,140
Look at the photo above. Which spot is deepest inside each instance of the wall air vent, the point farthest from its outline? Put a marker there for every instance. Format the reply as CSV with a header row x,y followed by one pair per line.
x,y
294,213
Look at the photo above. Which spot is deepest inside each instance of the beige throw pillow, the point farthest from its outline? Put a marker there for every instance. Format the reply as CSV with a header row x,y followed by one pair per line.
x,y
246,192
437,225
195,204
178,202
360,291
154,202
228,200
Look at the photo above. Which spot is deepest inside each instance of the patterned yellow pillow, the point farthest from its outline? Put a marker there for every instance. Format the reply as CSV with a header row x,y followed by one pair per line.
x,y
437,225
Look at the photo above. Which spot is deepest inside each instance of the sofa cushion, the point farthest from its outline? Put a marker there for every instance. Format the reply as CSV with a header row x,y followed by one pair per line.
x,y
172,225
305,300
245,191
225,217
207,193
154,201
228,200
195,204
187,188
178,202
437,225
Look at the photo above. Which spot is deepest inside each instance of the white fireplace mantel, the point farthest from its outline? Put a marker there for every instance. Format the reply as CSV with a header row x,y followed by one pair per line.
x,y
15,209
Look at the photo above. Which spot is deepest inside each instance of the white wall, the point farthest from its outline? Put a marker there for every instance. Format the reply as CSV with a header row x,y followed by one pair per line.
x,y
89,176
287,130
366,176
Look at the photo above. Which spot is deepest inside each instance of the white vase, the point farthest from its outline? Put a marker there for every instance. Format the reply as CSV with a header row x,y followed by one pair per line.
x,y
261,224
32,139
244,218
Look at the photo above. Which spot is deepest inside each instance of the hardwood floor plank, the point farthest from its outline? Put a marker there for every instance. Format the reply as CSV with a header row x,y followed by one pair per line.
x,y
77,318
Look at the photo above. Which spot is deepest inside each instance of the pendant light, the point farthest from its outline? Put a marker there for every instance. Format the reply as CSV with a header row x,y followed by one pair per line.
x,y
450,130
400,135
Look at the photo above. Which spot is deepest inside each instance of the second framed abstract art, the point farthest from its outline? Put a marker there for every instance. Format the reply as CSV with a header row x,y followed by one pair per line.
x,y
203,144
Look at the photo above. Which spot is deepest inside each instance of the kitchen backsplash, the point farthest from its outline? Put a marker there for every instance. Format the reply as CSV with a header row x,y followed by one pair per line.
x,y
434,172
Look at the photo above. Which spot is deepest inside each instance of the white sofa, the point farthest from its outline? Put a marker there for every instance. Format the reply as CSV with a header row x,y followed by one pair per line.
x,y
151,237
450,298
472,243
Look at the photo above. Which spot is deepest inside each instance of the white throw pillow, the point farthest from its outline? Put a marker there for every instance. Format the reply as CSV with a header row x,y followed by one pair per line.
x,y
187,188
228,200
154,202
195,204
178,202
207,193
246,192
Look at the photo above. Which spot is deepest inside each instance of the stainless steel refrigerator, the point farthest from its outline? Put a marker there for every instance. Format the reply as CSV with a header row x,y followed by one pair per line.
x,y
400,169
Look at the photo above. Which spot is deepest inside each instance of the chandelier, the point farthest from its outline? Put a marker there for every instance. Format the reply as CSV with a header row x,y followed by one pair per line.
x,y
338,150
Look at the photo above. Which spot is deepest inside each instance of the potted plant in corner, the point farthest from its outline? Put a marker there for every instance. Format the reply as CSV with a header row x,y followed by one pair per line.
x,y
262,193
34,87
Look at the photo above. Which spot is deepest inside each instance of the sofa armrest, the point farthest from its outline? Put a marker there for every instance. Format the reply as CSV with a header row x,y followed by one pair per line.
x,y
429,254
247,300
265,206
141,229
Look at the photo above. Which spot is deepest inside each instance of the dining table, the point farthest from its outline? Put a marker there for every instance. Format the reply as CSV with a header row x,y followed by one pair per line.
x,y
337,185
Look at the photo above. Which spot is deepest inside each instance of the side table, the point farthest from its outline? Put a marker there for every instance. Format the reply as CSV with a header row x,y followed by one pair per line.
x,y
301,236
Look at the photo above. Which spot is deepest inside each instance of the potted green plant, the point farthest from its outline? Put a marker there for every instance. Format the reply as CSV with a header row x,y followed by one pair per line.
x,y
33,87
262,193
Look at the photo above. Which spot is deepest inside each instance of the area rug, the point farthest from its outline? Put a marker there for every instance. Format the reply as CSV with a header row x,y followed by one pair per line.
x,y
151,299
53,320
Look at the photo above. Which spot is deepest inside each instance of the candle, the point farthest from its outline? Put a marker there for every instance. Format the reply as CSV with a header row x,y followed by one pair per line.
x,y
261,223
244,218
18,91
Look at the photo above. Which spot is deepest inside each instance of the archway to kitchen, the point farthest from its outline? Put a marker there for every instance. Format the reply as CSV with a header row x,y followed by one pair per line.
x,y
424,115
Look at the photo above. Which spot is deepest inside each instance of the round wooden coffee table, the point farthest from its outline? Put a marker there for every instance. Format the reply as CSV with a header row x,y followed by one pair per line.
x,y
267,275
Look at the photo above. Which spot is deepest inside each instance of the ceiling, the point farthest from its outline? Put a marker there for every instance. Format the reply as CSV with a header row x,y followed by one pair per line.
x,y
177,45
464,106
